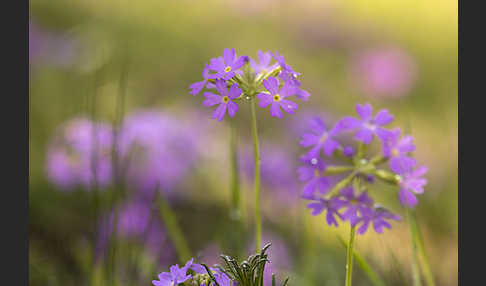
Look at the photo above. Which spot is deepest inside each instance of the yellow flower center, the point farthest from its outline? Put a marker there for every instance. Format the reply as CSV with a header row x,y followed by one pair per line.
x,y
225,99
227,69
277,97
394,152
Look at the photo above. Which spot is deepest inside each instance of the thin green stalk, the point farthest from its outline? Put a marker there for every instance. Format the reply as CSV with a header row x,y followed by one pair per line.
x,y
235,212
175,234
372,275
256,153
426,270
415,266
349,257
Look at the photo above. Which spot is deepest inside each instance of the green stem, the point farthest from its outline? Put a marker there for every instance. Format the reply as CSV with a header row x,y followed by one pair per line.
x,y
415,266
173,230
349,257
256,153
235,212
426,270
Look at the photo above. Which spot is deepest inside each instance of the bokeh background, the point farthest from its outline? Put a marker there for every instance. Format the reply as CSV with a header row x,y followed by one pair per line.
x,y
400,55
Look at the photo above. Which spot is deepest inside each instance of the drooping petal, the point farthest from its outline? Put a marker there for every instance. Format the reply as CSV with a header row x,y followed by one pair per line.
x,y
407,198
275,110
197,87
219,112
265,99
221,87
364,135
211,99
232,108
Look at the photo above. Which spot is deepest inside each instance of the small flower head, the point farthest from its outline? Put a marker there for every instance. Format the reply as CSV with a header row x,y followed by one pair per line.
x,y
397,150
320,138
226,67
378,216
263,66
331,206
177,275
277,97
367,125
311,173
356,204
411,183
224,100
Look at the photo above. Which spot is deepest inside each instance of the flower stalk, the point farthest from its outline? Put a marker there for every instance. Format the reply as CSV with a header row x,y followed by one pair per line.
x,y
256,153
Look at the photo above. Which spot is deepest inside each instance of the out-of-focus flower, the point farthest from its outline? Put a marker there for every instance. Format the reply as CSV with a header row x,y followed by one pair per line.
x,y
411,183
384,72
368,125
397,150
223,100
276,97
175,276
157,150
51,48
331,206
312,174
319,138
378,216
355,205
80,155
263,66
277,172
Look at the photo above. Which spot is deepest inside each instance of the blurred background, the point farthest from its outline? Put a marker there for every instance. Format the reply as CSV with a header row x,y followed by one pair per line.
x,y
130,63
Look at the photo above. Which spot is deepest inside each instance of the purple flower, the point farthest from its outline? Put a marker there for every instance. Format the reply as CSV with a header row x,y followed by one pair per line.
x,y
397,149
156,150
367,126
277,97
264,63
411,183
287,74
331,206
222,279
320,138
312,174
198,86
80,155
175,276
348,151
223,99
356,205
226,66
377,216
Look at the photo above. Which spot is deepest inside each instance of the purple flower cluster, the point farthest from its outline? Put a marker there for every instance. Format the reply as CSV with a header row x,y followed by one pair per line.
x,y
235,78
178,274
325,185
154,149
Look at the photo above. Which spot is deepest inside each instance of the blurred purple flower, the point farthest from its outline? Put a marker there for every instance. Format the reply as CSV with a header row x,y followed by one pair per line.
x,y
156,150
312,174
277,172
223,100
384,72
80,150
378,216
175,276
367,126
331,206
356,204
277,97
411,183
226,66
319,138
397,150
263,66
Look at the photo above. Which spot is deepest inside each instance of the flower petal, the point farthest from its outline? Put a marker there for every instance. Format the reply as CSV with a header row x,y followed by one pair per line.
x,y
211,99
229,56
232,108
219,112
275,110
288,106
364,111
271,84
